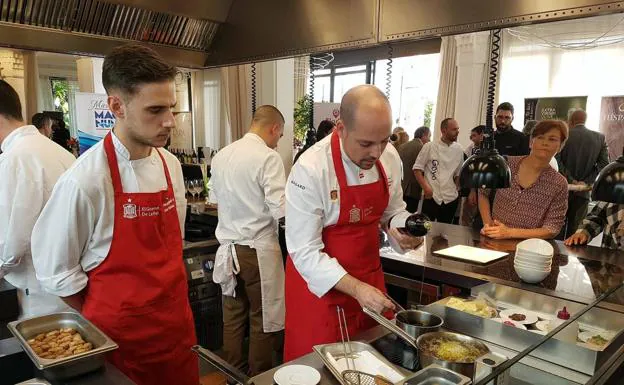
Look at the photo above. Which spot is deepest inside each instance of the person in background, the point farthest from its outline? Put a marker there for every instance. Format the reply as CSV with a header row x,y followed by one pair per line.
x,y
337,196
476,137
528,127
580,161
534,205
509,141
43,124
60,134
470,206
437,171
399,137
121,210
249,193
604,218
325,128
29,167
409,152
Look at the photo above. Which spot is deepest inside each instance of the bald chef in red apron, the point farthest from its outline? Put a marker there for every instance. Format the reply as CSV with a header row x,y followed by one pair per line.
x,y
337,194
110,239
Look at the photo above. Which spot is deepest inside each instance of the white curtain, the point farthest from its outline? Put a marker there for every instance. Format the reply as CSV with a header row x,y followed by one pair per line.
x,y
447,89
580,57
302,73
236,95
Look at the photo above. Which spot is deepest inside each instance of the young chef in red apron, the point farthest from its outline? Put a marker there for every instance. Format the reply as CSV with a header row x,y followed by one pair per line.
x,y
352,241
121,209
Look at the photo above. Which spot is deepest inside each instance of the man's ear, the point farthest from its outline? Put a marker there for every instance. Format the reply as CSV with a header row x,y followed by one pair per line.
x,y
116,106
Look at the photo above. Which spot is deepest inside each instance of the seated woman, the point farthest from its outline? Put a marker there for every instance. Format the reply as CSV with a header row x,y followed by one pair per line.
x,y
535,204
607,217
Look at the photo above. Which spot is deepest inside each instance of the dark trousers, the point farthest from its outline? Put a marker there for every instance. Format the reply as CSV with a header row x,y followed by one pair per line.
x,y
444,213
412,203
245,310
577,210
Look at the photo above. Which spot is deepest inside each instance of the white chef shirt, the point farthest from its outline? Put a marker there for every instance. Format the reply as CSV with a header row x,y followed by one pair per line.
x,y
440,163
30,165
78,220
247,182
309,208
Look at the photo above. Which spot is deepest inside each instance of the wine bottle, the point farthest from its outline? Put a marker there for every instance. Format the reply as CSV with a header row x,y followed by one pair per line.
x,y
194,157
418,224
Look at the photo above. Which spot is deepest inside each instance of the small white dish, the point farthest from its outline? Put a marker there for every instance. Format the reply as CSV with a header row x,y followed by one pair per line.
x,y
511,323
531,318
544,326
586,336
297,375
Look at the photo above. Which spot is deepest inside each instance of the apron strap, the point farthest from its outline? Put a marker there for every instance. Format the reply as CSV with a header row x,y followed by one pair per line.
x,y
339,165
111,157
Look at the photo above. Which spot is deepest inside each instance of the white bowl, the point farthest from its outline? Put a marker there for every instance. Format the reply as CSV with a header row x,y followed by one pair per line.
x,y
546,263
537,246
526,254
533,267
531,275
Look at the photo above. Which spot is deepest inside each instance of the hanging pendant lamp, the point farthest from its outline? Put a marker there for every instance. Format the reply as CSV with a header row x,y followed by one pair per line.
x,y
609,184
487,169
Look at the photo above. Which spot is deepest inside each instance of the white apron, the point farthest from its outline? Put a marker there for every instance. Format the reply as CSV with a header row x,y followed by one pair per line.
x,y
271,266
33,300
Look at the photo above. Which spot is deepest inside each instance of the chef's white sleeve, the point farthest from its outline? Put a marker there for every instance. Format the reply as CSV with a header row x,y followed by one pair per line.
x,y
212,191
396,211
21,200
179,192
422,158
273,179
304,227
60,237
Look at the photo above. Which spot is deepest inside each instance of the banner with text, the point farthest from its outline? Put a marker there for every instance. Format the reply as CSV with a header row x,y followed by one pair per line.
x,y
612,124
552,108
326,111
94,119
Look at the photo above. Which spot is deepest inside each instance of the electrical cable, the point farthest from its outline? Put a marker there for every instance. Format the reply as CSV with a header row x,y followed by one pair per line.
x,y
389,70
491,93
253,88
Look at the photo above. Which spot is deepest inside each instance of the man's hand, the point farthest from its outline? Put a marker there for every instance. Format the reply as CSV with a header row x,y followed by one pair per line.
x,y
372,298
428,192
473,198
497,230
406,241
579,238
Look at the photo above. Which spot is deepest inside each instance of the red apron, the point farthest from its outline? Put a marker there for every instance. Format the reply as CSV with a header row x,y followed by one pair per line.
x,y
354,242
139,295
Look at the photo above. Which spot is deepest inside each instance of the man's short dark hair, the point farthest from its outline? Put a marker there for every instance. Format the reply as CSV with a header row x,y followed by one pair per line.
x,y
324,128
445,122
478,130
506,106
421,131
39,120
130,65
10,106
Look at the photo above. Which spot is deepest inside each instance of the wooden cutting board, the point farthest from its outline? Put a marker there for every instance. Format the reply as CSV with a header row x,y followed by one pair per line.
x,y
472,254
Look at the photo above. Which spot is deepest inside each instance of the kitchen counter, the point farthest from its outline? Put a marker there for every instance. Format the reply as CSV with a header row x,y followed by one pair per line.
x,y
578,274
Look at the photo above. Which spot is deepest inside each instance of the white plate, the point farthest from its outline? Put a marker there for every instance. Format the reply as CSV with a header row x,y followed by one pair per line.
x,y
531,318
515,324
585,336
472,254
297,375
544,326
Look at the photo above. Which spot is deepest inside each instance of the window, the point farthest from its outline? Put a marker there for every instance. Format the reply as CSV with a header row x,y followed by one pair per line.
x,y
330,84
60,97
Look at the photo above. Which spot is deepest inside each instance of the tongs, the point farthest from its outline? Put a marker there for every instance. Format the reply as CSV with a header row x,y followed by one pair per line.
x,y
233,374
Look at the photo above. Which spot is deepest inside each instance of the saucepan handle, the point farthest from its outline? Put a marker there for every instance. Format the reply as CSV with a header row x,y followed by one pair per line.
x,y
231,372
383,321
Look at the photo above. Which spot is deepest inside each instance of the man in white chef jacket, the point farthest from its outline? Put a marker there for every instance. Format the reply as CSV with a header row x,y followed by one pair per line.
x,y
337,195
247,183
30,165
118,219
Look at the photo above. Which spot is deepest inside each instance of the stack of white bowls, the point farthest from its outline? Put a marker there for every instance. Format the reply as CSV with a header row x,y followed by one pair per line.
x,y
533,260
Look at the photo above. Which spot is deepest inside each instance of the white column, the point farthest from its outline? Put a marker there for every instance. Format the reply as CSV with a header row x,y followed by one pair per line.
x,y
275,85
472,58
90,75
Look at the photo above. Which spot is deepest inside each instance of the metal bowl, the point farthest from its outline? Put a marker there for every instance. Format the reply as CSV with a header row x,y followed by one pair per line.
x,y
71,366
467,368
418,322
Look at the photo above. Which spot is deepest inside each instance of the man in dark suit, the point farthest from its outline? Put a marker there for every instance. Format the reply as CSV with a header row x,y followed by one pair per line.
x,y
509,141
409,152
581,159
